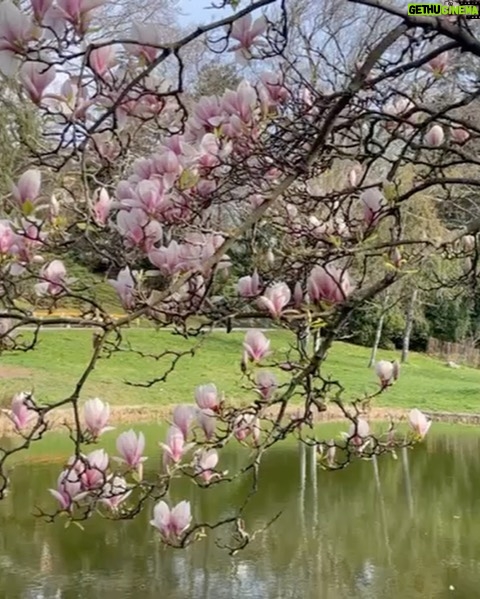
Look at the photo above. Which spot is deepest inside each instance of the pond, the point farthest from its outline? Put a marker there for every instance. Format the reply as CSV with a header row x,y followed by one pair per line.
x,y
406,529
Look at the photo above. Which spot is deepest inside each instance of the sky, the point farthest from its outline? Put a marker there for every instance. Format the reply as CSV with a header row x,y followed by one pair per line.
x,y
196,11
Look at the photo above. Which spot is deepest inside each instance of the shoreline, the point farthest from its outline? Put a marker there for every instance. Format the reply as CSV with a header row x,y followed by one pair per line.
x,y
150,414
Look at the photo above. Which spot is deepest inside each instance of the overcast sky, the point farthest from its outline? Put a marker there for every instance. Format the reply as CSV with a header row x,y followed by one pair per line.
x,y
195,11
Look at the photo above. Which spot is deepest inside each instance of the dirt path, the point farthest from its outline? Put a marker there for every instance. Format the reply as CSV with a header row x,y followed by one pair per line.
x,y
148,414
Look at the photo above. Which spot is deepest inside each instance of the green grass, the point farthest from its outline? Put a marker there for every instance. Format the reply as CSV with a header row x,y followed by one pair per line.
x,y
53,368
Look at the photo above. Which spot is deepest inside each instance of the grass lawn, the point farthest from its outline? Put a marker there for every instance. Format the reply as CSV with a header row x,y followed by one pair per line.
x,y
52,369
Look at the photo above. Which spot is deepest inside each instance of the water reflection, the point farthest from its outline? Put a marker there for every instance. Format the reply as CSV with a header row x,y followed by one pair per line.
x,y
404,528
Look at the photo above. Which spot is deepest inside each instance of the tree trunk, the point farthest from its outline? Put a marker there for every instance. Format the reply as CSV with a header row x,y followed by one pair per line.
x,y
408,326
378,333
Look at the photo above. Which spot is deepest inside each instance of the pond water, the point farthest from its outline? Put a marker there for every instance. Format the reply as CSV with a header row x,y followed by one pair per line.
x,y
407,530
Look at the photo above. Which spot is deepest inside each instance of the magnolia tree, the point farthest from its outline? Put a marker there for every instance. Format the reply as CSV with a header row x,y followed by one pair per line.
x,y
312,182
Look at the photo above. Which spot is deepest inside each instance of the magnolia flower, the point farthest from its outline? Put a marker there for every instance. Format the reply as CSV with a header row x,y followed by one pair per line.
x,y
275,299
93,469
101,59
147,35
171,523
77,12
27,189
358,432
175,447
40,8
266,384
183,416
328,284
256,345
7,237
298,295
130,447
387,372
205,462
21,412
435,136
206,397
114,493
96,415
102,206
16,31
54,279
419,422
245,31
249,286
69,489
207,420
373,203
245,425
36,77
124,285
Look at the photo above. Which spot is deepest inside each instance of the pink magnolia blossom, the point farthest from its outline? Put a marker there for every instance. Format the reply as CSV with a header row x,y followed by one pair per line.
x,y
130,447
387,372
246,425
373,204
439,64
101,59
275,299
21,413
168,260
273,91
77,12
138,230
124,285
102,206
206,397
256,345
249,286
7,237
175,447
183,416
16,31
171,523
115,493
54,279
207,420
36,77
266,383
245,31
358,432
69,489
459,135
40,8
147,37
28,187
298,295
96,415
73,99
205,462
328,284
419,422
435,136
93,469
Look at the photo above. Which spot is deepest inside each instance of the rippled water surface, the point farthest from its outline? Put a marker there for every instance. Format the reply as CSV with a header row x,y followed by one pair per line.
x,y
409,530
